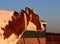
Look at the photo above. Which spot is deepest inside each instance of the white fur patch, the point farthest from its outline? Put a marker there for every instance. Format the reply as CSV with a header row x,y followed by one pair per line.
x,y
31,27
11,40
5,16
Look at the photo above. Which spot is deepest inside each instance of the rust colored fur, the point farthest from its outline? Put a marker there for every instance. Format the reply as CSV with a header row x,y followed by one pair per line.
x,y
17,25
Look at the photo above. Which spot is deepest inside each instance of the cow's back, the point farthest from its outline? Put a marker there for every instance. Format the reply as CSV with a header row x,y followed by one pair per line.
x,y
5,17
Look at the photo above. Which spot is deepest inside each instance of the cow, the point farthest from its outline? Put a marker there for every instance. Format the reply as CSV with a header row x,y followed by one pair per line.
x,y
13,24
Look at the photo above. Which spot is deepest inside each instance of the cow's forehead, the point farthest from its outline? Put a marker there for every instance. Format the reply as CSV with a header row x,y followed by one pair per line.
x,y
5,16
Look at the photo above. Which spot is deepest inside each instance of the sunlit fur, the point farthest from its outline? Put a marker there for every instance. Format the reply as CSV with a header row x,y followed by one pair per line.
x,y
12,30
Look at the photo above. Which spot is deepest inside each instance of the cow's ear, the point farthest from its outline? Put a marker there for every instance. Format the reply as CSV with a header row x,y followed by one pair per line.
x,y
34,11
27,10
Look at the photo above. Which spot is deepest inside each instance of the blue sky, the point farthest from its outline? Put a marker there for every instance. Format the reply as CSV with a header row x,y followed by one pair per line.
x,y
48,10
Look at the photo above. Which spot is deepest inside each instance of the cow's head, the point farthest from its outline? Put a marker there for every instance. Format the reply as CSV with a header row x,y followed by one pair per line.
x,y
5,17
34,18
